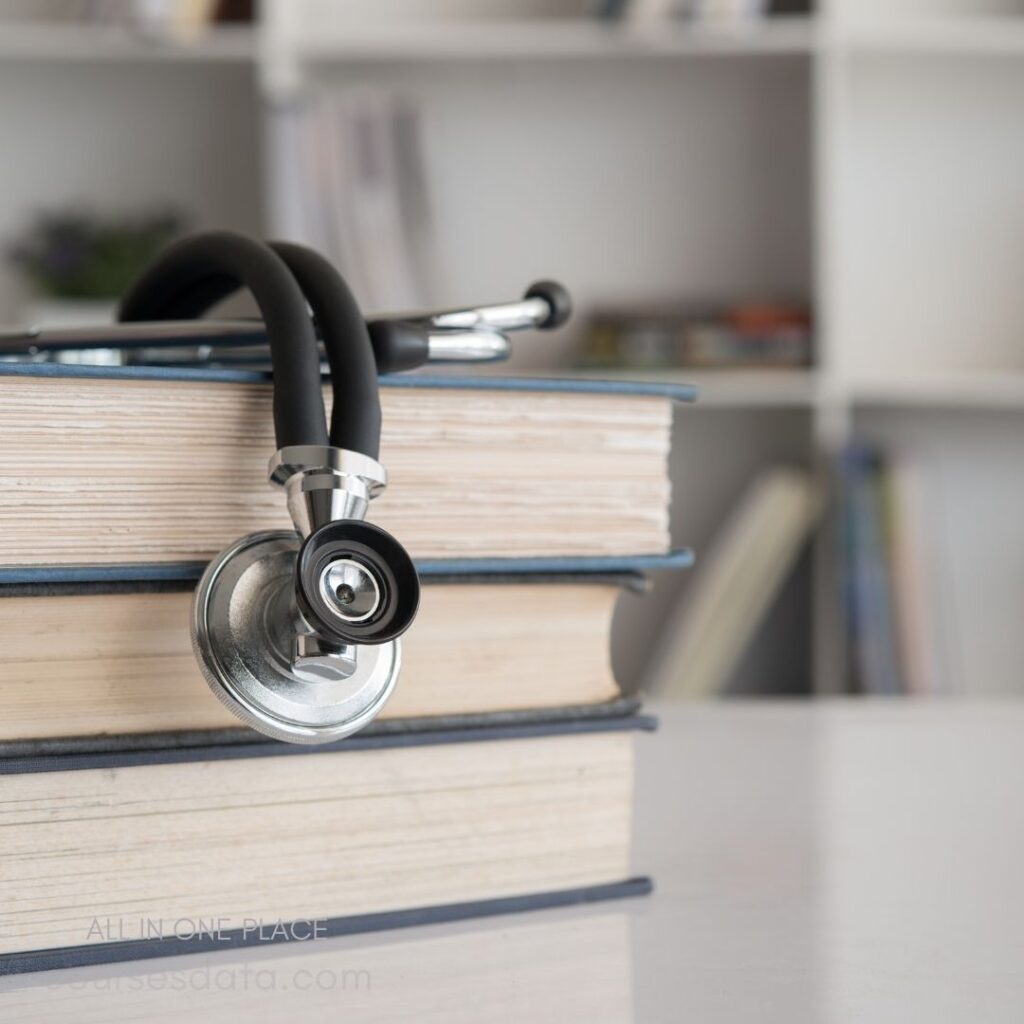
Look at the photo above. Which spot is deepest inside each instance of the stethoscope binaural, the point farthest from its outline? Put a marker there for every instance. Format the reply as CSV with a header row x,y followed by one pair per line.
x,y
297,632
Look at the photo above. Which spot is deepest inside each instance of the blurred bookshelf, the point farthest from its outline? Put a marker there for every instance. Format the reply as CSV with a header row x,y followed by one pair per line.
x,y
556,40
863,155
979,391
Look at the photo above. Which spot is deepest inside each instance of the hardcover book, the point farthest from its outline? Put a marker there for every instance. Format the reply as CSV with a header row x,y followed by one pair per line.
x,y
113,658
123,855
139,465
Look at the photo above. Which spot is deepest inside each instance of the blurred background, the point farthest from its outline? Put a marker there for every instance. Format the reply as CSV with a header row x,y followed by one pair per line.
x,y
814,212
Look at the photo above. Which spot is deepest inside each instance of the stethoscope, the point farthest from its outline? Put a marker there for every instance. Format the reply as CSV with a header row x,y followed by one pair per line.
x,y
297,632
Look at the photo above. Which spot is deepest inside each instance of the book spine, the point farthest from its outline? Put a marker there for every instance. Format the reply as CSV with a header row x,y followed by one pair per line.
x,y
870,604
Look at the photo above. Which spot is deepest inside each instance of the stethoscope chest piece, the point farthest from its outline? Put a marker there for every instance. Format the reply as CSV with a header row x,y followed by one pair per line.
x,y
263,661
297,631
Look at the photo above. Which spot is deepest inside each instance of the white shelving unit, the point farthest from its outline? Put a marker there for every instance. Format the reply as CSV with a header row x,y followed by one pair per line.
x,y
550,40
867,158
949,35
57,42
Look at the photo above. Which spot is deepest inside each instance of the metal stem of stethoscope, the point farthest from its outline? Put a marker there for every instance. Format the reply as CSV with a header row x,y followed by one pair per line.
x,y
443,346
456,335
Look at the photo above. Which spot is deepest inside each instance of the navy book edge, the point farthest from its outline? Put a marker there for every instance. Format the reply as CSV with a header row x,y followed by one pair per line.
x,y
584,385
428,568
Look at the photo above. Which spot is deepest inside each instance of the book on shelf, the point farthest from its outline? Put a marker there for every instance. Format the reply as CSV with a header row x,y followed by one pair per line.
x,y
874,652
743,336
700,12
353,185
895,605
176,19
915,556
748,561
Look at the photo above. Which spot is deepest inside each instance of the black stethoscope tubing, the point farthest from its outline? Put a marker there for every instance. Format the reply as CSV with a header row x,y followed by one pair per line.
x,y
286,282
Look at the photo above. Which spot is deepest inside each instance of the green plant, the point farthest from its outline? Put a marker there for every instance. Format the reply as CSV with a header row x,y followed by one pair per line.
x,y
78,255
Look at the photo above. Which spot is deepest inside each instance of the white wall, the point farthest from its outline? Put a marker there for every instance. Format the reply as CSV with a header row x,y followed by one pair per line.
x,y
930,223
118,138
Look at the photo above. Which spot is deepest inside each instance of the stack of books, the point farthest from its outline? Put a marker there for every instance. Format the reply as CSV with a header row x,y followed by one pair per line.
x,y
140,820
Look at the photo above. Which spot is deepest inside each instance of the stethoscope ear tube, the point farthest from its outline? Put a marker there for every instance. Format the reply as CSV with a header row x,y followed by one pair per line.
x,y
297,632
193,274
355,408
298,637
474,335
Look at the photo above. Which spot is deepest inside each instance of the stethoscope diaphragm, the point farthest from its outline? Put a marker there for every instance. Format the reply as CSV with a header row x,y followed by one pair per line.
x,y
246,633
297,632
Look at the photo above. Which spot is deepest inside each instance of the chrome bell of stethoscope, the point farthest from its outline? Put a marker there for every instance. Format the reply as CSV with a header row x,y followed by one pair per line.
x,y
297,632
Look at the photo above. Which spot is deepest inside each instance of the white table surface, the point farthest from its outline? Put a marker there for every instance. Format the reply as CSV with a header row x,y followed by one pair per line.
x,y
836,862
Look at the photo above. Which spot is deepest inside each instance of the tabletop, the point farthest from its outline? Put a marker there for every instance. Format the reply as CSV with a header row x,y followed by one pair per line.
x,y
825,862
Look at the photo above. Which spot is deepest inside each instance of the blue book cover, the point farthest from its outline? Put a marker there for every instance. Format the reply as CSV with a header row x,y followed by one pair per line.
x,y
874,656
556,385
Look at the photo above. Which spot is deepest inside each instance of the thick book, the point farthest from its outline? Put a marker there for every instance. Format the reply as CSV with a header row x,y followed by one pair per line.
x,y
122,465
133,854
92,658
